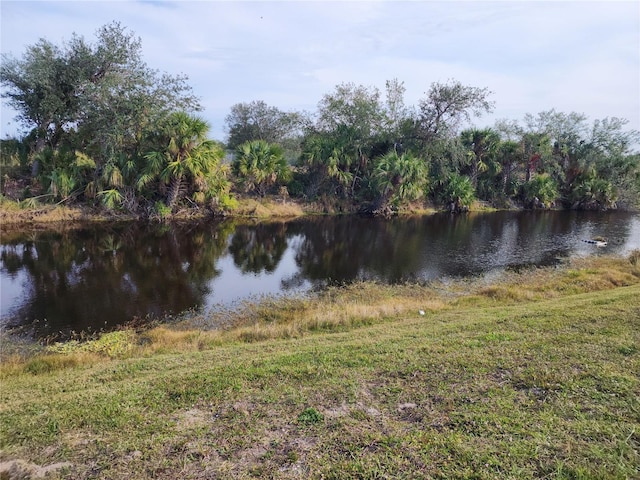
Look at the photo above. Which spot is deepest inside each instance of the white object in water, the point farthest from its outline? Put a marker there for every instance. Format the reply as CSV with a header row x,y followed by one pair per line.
x,y
597,243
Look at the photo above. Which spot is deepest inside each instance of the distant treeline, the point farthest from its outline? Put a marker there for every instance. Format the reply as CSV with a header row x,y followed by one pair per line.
x,y
105,129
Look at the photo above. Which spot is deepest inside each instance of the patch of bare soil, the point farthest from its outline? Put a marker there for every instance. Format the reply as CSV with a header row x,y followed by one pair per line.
x,y
21,470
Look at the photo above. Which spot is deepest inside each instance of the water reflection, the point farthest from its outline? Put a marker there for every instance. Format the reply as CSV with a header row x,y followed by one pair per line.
x,y
258,248
97,278
83,280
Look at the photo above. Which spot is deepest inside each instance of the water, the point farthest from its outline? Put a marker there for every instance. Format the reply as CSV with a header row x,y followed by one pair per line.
x,y
57,282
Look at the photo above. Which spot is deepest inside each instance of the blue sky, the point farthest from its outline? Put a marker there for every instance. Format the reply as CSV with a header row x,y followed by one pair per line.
x,y
572,56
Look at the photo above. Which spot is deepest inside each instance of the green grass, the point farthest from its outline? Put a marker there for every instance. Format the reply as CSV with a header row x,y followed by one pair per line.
x,y
489,384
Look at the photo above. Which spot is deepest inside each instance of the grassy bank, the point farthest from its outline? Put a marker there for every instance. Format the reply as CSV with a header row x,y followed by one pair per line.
x,y
16,215
532,376
12,214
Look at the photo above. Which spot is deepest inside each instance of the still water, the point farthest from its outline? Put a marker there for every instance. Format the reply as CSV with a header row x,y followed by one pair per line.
x,y
56,282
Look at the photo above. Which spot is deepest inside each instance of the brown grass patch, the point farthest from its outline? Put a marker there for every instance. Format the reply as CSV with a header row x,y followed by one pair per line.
x,y
268,207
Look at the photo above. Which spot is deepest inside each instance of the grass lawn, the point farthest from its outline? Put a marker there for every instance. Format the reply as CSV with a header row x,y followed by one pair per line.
x,y
534,376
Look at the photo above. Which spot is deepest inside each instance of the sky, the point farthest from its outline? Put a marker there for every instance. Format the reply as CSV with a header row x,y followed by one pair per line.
x,y
534,56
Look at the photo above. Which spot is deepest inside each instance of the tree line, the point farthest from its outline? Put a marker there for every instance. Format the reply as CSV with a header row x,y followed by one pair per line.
x,y
106,129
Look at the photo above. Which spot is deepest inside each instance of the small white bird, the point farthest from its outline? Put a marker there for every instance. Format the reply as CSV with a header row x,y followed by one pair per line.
x,y
421,312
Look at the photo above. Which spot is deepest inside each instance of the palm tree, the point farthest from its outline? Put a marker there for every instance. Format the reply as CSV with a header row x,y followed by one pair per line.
x,y
260,165
482,146
541,191
457,192
535,147
186,159
509,152
331,159
400,177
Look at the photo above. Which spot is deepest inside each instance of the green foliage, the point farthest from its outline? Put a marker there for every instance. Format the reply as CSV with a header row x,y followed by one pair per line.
x,y
111,199
354,106
447,105
187,162
260,166
329,160
64,171
14,155
105,126
310,416
257,121
543,188
400,178
590,192
102,93
456,189
162,210
93,110
482,148
30,203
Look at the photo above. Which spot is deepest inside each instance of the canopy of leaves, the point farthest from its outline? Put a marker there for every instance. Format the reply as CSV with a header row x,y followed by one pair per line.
x,y
260,165
258,121
400,177
103,93
448,104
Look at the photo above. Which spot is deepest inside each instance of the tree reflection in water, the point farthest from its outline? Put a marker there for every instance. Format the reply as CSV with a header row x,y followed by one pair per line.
x,y
98,278
258,248
86,280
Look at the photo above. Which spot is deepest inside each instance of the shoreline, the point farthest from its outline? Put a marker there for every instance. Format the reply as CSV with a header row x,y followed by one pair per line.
x,y
13,217
247,322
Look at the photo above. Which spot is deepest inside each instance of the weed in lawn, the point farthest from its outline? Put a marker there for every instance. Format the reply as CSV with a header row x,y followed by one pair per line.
x,y
310,416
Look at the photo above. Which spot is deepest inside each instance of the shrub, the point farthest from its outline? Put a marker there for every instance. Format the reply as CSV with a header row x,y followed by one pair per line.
x,y
457,189
540,190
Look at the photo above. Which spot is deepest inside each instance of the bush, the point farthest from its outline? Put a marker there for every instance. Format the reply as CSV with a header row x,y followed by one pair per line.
x,y
457,189
540,191
162,210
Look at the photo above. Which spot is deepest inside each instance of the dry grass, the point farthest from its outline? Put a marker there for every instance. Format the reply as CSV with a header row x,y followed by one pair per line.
x,y
11,214
268,207
336,309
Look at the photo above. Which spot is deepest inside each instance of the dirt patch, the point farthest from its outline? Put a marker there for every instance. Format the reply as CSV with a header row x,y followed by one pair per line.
x,y
192,418
20,469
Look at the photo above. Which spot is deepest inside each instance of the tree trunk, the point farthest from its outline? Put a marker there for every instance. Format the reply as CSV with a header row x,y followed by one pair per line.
x,y
35,166
174,191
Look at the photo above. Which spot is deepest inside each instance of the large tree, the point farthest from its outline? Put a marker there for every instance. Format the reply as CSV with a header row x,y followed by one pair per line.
x,y
347,133
258,121
102,93
446,105
355,106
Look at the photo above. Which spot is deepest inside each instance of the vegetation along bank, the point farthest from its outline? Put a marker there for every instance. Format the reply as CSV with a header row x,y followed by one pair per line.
x,y
111,136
